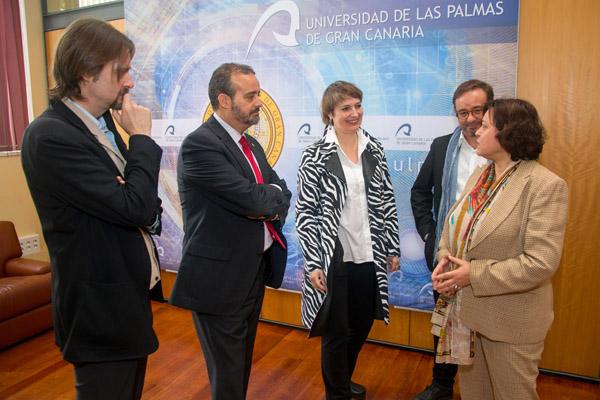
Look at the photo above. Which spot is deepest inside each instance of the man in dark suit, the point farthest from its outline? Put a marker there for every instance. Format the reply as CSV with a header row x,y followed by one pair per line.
x,y
234,205
97,202
442,178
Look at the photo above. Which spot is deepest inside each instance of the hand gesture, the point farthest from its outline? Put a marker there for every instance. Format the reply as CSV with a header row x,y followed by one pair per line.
x,y
133,118
452,281
393,263
318,279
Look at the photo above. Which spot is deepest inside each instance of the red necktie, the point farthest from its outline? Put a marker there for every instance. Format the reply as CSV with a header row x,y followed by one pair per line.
x,y
259,179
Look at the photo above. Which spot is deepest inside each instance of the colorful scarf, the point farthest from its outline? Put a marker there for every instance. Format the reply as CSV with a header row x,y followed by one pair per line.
x,y
456,340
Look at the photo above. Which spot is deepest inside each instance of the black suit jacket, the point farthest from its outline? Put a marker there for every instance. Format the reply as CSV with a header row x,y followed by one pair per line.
x,y
100,264
426,193
222,246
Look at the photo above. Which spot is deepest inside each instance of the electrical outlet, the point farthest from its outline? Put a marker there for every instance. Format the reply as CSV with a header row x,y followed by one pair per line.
x,y
30,244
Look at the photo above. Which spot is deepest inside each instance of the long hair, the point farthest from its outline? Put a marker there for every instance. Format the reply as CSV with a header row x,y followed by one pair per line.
x,y
83,50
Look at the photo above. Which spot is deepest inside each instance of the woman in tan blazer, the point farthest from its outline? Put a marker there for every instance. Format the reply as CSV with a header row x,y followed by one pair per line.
x,y
501,244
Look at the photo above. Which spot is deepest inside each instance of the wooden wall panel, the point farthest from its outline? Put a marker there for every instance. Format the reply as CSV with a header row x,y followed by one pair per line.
x,y
168,280
420,330
281,306
397,332
559,72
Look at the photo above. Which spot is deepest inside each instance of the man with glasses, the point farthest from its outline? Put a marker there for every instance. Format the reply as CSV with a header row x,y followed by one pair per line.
x,y
442,178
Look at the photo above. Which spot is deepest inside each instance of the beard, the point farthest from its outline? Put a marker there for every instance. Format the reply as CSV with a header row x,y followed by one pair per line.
x,y
249,119
471,129
118,103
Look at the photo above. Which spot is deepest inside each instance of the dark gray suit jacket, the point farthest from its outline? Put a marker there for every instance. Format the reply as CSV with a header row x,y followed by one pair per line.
x,y
100,264
426,194
222,246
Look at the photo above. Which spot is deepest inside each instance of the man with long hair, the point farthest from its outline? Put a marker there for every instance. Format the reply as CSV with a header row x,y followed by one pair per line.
x,y
98,204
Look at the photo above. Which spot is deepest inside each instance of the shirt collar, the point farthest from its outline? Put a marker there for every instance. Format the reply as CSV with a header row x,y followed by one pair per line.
x,y
98,121
235,135
363,140
462,142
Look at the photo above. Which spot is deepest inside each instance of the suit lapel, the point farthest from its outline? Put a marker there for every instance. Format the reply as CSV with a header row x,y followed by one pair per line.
x,y
505,204
232,147
334,166
118,139
74,120
369,163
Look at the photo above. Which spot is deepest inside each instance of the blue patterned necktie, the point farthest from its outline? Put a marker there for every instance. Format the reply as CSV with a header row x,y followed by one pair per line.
x,y
108,133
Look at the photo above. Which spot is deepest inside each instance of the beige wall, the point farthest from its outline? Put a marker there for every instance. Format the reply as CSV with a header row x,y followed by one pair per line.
x,y
36,52
15,202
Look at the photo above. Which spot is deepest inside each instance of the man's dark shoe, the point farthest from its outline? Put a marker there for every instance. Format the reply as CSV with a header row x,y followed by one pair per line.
x,y
358,391
434,392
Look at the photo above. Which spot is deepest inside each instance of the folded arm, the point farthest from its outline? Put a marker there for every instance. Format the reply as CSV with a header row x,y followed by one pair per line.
x,y
88,183
207,166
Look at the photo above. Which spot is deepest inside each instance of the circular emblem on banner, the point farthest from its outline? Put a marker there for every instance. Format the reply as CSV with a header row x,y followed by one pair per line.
x,y
269,131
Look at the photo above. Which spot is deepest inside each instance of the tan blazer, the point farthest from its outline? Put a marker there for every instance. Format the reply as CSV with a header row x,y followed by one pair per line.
x,y
513,254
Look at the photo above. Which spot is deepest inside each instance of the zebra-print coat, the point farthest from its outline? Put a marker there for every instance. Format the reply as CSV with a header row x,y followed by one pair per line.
x,y
322,192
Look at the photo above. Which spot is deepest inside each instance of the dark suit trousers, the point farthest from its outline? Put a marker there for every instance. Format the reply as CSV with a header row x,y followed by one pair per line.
x,y
116,380
443,374
228,341
350,319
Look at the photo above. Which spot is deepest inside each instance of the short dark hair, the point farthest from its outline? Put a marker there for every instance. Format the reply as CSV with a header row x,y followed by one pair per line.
x,y
473,84
85,47
336,92
520,131
220,81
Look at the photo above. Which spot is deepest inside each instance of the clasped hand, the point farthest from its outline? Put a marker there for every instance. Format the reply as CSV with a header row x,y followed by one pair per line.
x,y
450,282
393,263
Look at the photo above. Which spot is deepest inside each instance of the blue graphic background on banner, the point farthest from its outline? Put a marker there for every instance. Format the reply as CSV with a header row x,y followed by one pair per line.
x,y
406,56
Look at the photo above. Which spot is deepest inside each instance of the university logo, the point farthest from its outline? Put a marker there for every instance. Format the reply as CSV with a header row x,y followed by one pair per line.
x,y
269,131
289,39
406,129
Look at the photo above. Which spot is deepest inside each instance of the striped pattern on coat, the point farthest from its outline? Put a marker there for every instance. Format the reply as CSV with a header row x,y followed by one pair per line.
x,y
322,192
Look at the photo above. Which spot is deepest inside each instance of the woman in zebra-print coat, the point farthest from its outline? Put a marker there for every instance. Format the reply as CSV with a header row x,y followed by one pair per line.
x,y
348,230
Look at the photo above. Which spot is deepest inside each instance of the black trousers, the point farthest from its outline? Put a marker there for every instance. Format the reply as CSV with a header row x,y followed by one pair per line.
x,y
353,291
228,342
443,374
115,380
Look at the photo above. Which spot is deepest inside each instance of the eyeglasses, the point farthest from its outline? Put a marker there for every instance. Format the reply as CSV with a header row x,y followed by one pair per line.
x,y
477,113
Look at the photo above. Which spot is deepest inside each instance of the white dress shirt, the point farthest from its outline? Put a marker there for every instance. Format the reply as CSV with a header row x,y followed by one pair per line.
x,y
354,231
468,160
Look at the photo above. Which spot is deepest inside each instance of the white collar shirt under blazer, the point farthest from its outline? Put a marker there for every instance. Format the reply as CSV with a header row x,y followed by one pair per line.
x,y
322,192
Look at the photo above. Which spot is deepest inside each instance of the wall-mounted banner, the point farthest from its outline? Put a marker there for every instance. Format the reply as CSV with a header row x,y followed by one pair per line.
x,y
407,56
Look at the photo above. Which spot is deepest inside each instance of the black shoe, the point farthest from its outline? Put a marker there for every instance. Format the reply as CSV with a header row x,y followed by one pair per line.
x,y
434,392
358,391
